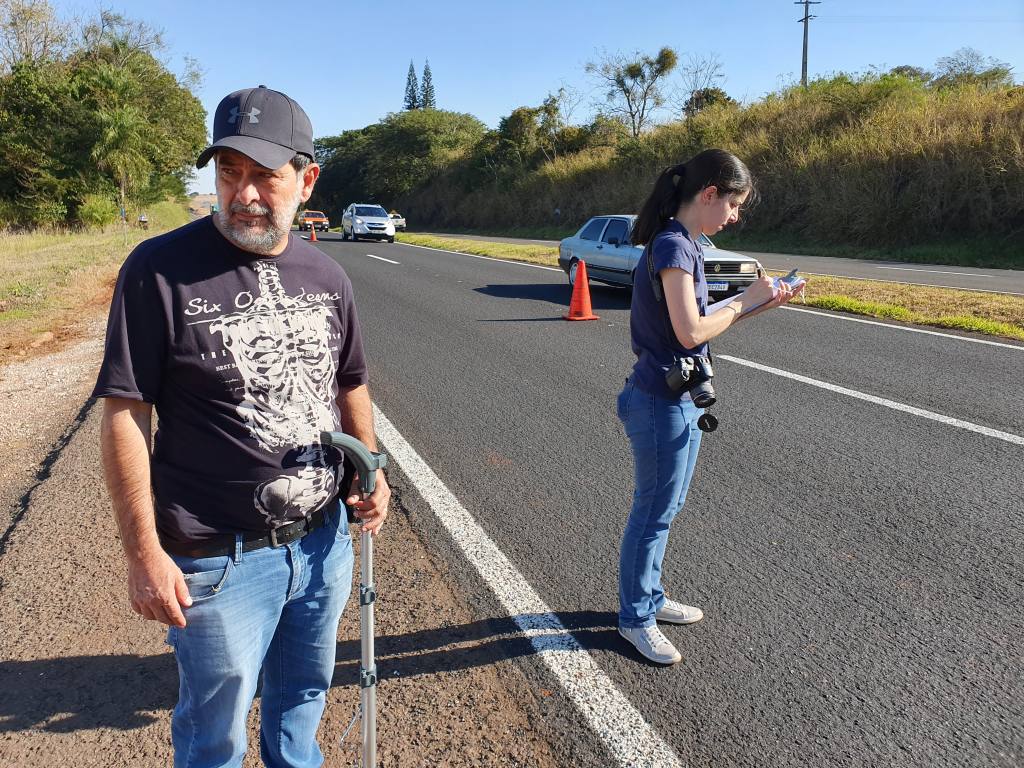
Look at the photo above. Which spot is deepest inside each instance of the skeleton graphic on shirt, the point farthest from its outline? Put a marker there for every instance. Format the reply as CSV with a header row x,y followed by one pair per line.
x,y
281,348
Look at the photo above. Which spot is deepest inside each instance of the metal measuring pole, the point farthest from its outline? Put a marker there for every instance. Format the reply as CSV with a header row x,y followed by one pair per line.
x,y
367,463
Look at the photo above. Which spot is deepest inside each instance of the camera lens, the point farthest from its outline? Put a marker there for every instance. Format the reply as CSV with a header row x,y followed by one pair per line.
x,y
703,395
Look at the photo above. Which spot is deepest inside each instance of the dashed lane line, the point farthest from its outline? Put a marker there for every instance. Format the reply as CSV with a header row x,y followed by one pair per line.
x,y
611,716
381,258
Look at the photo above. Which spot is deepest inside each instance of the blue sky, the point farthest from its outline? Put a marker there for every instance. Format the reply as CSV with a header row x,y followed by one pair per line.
x,y
346,62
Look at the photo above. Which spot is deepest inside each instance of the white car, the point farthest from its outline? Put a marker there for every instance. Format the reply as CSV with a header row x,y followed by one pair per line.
x,y
367,220
603,243
399,221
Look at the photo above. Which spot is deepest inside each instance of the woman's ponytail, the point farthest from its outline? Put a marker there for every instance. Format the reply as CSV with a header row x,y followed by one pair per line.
x,y
680,183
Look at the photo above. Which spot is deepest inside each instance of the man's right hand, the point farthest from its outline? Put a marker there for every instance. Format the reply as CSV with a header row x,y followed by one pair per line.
x,y
157,588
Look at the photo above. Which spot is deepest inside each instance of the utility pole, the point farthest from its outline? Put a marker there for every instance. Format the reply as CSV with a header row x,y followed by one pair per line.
x,y
806,20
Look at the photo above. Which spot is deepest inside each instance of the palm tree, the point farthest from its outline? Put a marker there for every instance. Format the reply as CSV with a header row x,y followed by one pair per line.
x,y
120,150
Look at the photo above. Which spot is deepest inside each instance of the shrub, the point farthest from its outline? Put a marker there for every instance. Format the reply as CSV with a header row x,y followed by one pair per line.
x,y
97,211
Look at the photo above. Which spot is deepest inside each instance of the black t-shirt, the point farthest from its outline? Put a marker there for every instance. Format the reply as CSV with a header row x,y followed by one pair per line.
x,y
242,357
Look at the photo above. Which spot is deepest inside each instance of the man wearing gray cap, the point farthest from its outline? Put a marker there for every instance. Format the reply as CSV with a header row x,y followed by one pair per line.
x,y
246,341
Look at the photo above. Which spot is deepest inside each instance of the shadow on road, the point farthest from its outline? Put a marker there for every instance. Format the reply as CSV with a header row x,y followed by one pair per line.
x,y
86,692
476,644
601,296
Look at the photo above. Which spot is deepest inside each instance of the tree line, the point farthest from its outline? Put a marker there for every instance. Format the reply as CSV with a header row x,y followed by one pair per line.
x,y
92,122
898,156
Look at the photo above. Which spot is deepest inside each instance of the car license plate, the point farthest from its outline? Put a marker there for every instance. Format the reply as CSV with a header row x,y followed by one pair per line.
x,y
718,286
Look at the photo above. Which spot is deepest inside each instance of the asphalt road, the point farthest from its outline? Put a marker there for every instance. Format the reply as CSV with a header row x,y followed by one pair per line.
x,y
990,280
860,567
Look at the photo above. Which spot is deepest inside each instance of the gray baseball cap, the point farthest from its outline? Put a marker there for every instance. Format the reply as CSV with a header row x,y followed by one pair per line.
x,y
263,124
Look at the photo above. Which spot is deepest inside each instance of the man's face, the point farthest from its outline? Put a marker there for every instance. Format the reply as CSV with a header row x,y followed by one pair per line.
x,y
257,204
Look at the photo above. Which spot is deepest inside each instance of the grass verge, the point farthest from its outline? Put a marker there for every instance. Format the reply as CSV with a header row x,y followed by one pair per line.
x,y
49,279
985,313
531,254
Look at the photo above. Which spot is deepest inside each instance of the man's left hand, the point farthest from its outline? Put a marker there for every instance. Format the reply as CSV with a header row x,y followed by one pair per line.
x,y
371,511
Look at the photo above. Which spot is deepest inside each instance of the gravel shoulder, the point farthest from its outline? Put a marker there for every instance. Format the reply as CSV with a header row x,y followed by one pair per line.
x,y
85,682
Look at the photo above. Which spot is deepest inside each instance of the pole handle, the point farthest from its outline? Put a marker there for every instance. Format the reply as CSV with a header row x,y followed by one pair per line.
x,y
367,462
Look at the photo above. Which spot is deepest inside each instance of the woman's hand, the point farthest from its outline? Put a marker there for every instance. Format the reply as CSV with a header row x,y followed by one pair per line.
x,y
760,295
759,292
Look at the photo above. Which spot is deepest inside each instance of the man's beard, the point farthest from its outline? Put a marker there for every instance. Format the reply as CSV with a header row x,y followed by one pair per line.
x,y
262,240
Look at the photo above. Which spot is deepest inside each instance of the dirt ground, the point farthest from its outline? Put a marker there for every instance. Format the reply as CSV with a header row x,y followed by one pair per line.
x,y
86,682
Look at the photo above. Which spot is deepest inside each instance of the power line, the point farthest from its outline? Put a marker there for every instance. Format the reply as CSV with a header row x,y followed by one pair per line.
x,y
806,20
864,19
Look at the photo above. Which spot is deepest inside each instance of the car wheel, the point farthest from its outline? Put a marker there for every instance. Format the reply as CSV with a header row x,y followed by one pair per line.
x,y
352,234
574,267
391,239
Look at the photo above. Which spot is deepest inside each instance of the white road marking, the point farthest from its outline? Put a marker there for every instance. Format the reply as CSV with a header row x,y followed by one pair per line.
x,y
935,271
948,420
622,729
381,258
1017,347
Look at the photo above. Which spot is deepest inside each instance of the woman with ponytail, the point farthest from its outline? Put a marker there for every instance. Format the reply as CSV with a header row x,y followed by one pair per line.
x,y
669,323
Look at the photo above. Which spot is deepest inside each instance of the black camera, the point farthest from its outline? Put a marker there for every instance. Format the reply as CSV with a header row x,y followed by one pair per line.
x,y
693,375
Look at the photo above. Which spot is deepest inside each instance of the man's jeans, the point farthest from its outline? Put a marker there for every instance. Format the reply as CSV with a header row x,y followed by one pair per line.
x,y
275,608
665,441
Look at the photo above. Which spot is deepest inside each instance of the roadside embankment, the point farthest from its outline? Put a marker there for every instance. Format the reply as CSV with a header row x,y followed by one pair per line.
x,y
50,279
969,311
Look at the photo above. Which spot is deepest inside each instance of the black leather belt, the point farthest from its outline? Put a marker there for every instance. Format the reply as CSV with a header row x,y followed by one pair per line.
x,y
225,545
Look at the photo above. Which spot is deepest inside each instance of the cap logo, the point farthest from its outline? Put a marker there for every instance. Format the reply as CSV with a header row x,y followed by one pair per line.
x,y
235,114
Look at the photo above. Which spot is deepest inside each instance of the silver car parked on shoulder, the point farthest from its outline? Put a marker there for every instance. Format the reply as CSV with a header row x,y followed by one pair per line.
x,y
603,243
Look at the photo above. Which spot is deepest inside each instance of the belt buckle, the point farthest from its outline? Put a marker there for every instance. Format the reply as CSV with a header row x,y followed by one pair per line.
x,y
295,530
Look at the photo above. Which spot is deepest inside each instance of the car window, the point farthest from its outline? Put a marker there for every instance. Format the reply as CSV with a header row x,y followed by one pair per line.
x,y
370,210
593,230
316,213
617,228
705,241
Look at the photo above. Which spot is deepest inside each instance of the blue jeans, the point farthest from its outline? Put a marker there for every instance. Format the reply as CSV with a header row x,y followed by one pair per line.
x,y
275,609
665,441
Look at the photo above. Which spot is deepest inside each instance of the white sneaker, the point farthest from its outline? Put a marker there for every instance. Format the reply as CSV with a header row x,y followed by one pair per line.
x,y
652,644
677,613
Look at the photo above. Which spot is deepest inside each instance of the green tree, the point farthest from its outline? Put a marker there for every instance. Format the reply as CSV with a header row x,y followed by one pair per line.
x,y
409,148
43,125
703,98
910,72
633,84
104,118
412,97
343,171
121,149
428,100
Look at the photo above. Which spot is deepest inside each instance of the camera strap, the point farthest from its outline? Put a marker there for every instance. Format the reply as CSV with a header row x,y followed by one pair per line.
x,y
658,289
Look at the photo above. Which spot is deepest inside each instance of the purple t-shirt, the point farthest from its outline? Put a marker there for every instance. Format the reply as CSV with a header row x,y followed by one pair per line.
x,y
654,342
242,357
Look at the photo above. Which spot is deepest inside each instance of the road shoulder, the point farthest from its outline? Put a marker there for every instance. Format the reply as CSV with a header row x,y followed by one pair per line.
x,y
89,683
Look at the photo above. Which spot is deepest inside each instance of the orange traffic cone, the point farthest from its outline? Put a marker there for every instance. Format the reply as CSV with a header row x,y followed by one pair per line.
x,y
312,234
579,304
